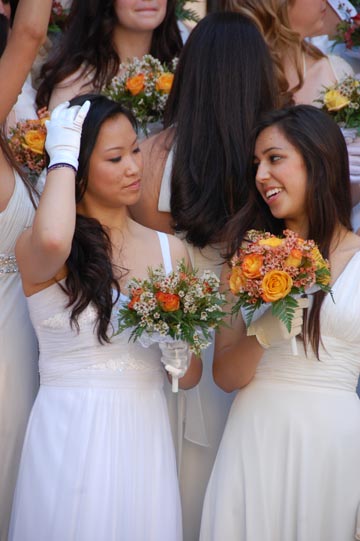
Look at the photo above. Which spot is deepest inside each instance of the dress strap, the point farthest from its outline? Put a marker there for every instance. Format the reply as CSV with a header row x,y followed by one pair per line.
x,y
165,250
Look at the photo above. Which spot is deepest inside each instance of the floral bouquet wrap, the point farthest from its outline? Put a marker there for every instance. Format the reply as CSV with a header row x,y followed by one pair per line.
x,y
143,86
270,269
27,142
178,306
342,102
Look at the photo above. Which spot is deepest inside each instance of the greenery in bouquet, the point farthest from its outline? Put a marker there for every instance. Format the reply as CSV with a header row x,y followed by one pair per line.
x,y
143,86
184,13
58,17
271,269
348,30
181,305
27,142
342,102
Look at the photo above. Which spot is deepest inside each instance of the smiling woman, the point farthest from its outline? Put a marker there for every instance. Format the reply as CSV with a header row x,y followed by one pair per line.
x,y
99,36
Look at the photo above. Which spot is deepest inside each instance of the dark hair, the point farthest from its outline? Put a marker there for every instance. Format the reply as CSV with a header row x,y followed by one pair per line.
x,y
87,41
328,196
223,82
91,276
4,32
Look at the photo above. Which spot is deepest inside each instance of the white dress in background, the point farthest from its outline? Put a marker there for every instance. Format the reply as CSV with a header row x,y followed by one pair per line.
x,y
98,462
198,419
18,350
288,467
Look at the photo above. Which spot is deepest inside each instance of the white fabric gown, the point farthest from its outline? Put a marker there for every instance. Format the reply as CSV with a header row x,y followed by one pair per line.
x,y
98,462
18,350
200,413
288,467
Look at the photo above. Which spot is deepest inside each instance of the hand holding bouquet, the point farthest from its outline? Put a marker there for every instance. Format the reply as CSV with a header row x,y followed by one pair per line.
x,y
143,86
180,306
273,270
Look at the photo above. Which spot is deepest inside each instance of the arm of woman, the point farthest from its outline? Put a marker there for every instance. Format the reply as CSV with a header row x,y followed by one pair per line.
x,y
43,250
236,355
27,34
145,211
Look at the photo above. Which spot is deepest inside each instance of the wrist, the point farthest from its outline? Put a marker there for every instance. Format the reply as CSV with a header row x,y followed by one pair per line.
x,y
60,166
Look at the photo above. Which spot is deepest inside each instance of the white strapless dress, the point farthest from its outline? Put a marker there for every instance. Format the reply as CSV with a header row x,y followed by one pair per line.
x,y
98,462
288,467
18,350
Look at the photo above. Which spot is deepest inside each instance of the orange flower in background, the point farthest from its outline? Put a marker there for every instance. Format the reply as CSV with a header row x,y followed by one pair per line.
x,y
135,297
135,84
169,302
236,280
34,141
164,82
295,258
273,242
251,265
276,285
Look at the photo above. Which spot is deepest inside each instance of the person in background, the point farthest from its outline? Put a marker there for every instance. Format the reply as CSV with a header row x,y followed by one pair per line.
x,y
18,345
194,181
98,37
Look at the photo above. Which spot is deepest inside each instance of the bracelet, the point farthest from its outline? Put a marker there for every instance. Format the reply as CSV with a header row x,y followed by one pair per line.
x,y
59,165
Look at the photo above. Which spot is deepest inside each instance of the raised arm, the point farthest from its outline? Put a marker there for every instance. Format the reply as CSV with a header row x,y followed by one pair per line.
x,y
27,34
42,251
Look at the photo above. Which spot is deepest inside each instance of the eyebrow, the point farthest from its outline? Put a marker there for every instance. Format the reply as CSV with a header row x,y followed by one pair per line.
x,y
272,148
121,148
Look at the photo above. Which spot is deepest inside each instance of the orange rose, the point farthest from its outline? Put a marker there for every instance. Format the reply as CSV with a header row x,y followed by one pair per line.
x,y
169,302
34,141
135,84
294,259
276,285
236,280
164,82
273,242
135,297
251,265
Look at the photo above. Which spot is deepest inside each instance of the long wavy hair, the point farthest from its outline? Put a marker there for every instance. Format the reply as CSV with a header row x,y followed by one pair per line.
x,y
271,18
223,82
87,41
328,196
91,276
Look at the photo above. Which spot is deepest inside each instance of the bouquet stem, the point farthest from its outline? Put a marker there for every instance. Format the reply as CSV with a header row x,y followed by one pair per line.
x,y
294,348
175,384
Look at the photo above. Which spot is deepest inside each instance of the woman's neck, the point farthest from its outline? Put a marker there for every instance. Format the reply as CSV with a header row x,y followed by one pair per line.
x,y
130,44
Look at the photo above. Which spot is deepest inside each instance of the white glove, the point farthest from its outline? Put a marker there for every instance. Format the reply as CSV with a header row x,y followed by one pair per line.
x,y
269,330
354,159
64,133
176,357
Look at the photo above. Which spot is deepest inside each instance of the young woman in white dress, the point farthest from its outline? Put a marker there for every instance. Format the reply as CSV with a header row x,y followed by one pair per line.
x,y
18,346
98,460
99,36
288,466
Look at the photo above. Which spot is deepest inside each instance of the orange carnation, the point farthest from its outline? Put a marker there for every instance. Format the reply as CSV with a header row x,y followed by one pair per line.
x,y
251,265
164,82
34,141
276,284
135,84
294,259
236,280
135,297
169,302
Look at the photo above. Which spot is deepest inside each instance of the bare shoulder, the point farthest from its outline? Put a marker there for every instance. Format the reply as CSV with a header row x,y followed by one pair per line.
x,y
157,147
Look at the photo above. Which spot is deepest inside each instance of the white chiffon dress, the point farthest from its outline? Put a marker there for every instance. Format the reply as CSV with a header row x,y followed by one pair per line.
x,y
98,462
288,467
18,350
199,416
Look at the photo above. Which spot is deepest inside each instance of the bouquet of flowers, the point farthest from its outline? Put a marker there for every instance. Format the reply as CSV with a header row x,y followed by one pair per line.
x,y
27,142
58,17
342,102
143,86
273,270
348,30
178,306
